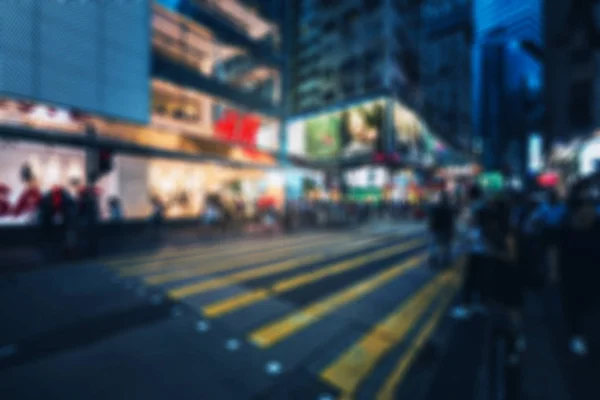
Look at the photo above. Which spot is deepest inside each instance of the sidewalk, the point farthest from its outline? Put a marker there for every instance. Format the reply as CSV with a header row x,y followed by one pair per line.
x,y
548,370
542,376
580,375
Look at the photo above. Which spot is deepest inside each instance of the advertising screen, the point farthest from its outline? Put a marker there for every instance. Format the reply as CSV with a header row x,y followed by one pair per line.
x,y
413,140
409,132
342,134
323,136
93,56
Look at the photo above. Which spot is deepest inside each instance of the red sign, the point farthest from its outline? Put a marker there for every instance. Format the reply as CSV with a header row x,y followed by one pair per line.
x,y
379,157
27,201
237,128
548,179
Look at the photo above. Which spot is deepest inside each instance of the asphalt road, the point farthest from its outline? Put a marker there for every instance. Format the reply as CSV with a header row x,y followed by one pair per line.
x,y
312,316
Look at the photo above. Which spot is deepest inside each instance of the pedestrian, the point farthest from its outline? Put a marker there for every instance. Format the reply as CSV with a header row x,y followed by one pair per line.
x,y
157,216
478,253
88,215
507,289
578,241
442,228
528,242
57,212
115,209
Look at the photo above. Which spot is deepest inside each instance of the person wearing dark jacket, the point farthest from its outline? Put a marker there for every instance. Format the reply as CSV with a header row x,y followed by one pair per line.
x,y
578,241
442,228
57,211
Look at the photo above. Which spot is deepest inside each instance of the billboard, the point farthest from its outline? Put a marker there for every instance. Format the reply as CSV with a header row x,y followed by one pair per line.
x,y
413,140
323,138
91,56
353,131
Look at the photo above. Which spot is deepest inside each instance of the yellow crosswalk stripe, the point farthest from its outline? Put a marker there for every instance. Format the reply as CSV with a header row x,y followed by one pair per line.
x,y
237,262
244,300
177,253
388,389
189,290
279,330
353,366
246,258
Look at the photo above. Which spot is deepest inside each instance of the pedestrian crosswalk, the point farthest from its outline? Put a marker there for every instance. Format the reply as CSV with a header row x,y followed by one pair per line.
x,y
277,294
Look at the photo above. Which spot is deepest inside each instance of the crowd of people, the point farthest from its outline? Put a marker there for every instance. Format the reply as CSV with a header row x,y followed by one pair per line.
x,y
518,242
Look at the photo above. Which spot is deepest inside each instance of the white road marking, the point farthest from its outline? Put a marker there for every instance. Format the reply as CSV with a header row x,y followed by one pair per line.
x,y
232,344
273,368
202,326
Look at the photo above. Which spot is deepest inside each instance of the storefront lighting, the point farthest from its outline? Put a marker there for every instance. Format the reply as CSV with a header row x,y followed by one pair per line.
x,y
53,172
275,179
590,157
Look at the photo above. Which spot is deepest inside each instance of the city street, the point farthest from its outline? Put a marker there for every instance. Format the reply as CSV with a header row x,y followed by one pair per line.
x,y
308,316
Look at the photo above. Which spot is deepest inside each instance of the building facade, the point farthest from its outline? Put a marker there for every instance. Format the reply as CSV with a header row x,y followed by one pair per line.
x,y
572,80
506,76
347,49
215,118
445,65
355,98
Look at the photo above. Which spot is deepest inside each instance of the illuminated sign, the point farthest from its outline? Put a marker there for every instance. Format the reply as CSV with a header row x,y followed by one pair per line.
x,y
355,130
235,127
535,153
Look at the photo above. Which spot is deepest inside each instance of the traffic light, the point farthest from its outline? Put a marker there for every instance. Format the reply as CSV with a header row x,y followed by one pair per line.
x,y
105,161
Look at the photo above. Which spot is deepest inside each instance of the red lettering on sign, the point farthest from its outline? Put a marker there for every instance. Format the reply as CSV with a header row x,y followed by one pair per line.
x,y
225,127
249,130
28,201
234,127
4,207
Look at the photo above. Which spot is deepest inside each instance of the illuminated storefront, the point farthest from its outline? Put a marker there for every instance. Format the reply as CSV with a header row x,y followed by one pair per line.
x,y
50,166
589,158
183,121
368,182
181,186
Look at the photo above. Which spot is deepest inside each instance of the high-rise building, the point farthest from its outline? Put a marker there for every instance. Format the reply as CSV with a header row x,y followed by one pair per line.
x,y
445,65
506,76
351,48
572,77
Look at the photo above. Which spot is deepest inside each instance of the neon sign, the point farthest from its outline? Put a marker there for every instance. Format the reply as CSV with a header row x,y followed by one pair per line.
x,y
237,128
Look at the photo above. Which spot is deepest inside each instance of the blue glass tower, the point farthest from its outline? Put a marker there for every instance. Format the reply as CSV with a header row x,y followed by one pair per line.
x,y
503,74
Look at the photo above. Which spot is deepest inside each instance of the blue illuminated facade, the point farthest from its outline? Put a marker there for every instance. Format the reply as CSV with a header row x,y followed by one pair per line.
x,y
506,76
